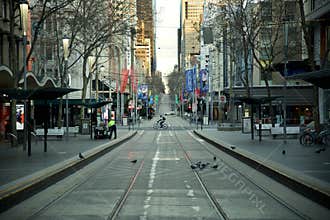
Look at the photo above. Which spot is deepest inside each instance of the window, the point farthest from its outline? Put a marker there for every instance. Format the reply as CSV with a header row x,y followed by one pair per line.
x,y
49,52
4,13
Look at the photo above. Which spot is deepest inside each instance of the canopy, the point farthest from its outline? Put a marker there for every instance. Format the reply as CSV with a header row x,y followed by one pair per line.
x,y
96,104
257,100
35,94
319,78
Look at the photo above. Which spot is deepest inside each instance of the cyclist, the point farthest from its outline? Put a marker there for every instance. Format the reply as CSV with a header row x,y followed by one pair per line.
x,y
161,121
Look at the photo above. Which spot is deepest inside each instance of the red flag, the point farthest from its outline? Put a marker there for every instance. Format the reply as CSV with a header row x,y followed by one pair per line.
x,y
124,80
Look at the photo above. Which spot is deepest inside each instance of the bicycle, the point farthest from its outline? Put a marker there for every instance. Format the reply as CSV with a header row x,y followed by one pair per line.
x,y
157,125
310,136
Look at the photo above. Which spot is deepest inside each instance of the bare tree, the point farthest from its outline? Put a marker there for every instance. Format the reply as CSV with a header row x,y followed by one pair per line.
x,y
308,33
45,9
92,26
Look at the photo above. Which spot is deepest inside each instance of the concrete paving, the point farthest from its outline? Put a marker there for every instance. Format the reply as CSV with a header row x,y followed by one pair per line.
x,y
15,164
298,158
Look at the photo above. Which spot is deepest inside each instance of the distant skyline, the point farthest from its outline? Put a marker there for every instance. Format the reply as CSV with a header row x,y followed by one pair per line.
x,y
167,23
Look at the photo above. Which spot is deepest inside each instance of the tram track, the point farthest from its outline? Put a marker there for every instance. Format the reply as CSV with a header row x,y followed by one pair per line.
x,y
212,198
88,177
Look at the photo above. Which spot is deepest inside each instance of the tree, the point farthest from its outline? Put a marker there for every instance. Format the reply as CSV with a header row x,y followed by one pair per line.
x,y
93,26
308,36
44,8
175,80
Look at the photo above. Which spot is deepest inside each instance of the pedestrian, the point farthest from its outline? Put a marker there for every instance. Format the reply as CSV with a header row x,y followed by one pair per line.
x,y
112,128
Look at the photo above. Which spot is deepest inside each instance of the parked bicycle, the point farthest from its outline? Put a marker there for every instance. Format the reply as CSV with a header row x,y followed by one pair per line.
x,y
310,136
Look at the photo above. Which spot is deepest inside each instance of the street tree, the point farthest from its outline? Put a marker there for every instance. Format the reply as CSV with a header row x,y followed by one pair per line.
x,y
307,29
93,26
41,9
175,80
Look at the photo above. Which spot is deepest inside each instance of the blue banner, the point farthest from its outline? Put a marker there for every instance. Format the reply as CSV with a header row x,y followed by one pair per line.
x,y
190,80
204,79
143,92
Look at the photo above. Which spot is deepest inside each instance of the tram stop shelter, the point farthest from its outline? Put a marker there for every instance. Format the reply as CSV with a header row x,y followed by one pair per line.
x,y
94,105
253,101
39,93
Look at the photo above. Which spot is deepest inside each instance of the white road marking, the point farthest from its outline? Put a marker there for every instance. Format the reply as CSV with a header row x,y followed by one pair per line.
x,y
152,176
167,158
188,186
166,142
190,193
326,163
196,208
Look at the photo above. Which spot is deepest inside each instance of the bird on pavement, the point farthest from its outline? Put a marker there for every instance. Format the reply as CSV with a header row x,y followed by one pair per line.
x,y
215,166
193,166
319,150
214,158
283,152
81,156
232,147
133,161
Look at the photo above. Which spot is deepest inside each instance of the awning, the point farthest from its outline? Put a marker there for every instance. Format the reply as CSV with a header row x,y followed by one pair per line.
x,y
96,104
257,100
319,78
35,94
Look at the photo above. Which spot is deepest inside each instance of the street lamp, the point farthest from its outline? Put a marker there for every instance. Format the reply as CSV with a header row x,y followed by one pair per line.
x,y
91,63
24,6
66,54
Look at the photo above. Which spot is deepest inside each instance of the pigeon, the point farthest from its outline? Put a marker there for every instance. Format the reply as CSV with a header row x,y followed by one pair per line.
x,y
203,165
215,166
193,166
133,161
319,150
81,156
283,152
214,158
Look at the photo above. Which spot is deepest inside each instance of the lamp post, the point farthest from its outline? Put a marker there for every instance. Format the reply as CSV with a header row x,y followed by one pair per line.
x,y
24,19
91,62
286,27
66,54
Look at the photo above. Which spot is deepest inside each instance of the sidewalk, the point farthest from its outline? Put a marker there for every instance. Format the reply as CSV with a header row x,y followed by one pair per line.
x,y
301,159
15,164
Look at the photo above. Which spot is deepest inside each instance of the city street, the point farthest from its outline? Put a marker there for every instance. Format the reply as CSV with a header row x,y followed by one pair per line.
x,y
161,184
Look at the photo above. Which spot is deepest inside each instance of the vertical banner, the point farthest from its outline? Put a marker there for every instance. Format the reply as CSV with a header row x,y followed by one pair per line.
x,y
124,80
134,80
203,79
20,117
189,80
143,92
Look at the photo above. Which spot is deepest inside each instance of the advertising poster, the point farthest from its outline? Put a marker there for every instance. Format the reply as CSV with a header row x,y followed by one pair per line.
x,y
20,117
203,76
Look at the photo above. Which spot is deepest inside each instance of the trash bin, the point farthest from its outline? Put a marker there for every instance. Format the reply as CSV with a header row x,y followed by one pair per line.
x,y
85,126
205,120
246,125
124,121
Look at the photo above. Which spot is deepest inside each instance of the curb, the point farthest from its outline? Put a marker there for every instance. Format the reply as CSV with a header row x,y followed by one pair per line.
x,y
22,190
298,185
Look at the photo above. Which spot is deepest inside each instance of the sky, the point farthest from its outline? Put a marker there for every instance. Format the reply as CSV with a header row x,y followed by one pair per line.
x,y
168,21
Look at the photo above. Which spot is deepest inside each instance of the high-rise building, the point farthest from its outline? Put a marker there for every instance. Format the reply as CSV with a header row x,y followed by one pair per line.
x,y
191,16
144,45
